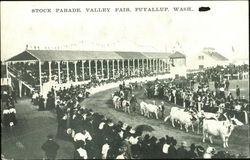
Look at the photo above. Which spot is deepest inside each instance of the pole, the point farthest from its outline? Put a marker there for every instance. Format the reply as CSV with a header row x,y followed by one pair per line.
x,y
133,66
118,67
138,67
59,72
96,68
49,71
108,69
123,67
67,63
83,78
128,68
143,65
89,69
75,62
40,75
113,68
7,70
102,69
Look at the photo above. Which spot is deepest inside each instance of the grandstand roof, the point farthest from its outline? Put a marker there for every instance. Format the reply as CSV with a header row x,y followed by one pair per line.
x,y
70,55
212,53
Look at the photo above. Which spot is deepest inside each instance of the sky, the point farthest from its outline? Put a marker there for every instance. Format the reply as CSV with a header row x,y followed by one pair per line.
x,y
224,27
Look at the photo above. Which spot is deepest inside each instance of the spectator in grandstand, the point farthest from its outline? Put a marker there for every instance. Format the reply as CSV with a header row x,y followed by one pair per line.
x,y
41,103
50,147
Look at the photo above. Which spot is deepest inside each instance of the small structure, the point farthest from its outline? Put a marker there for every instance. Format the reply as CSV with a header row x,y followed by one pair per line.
x,y
208,57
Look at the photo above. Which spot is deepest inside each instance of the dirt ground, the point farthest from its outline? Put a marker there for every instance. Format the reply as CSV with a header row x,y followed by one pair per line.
x,y
101,103
33,127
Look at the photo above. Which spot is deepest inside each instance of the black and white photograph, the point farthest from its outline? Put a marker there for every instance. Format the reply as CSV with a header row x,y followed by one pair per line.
x,y
124,80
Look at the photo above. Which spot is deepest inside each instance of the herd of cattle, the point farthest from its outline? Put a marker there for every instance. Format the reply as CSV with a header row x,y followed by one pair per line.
x,y
212,124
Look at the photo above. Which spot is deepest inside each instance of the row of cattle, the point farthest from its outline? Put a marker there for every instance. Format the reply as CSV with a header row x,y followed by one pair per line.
x,y
211,125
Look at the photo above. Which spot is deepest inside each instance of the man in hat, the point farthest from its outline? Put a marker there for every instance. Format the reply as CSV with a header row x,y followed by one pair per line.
x,y
162,109
133,102
50,147
237,92
200,151
191,153
182,152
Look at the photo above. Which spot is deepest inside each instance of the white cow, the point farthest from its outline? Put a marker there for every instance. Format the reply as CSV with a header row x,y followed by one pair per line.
x,y
116,102
143,108
126,106
182,117
151,108
207,115
219,128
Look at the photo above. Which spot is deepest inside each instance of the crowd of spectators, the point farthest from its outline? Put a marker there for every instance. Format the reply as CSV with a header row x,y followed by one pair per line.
x,y
219,73
29,72
8,100
203,98
95,136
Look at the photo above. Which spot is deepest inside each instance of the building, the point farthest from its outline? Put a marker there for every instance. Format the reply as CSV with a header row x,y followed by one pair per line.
x,y
178,64
208,57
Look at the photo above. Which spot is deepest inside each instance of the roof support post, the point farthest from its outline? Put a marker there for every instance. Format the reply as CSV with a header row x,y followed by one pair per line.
x,y
118,67
40,75
108,69
123,68
128,68
59,72
147,64
143,65
150,65
67,65
50,71
133,66
96,69
7,70
158,65
90,69
138,67
160,62
154,65
75,62
102,69
83,78
113,68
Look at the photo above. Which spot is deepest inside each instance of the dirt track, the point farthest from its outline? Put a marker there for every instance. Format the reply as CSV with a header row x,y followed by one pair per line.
x,y
101,103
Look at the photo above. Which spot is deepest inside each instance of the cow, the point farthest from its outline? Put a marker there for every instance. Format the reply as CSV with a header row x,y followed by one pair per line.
x,y
143,108
116,102
219,128
183,117
151,108
126,106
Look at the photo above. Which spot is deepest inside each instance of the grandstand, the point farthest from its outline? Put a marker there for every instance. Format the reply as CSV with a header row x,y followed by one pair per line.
x,y
34,69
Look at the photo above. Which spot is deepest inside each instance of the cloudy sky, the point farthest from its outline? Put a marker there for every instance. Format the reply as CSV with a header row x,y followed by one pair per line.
x,y
223,27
